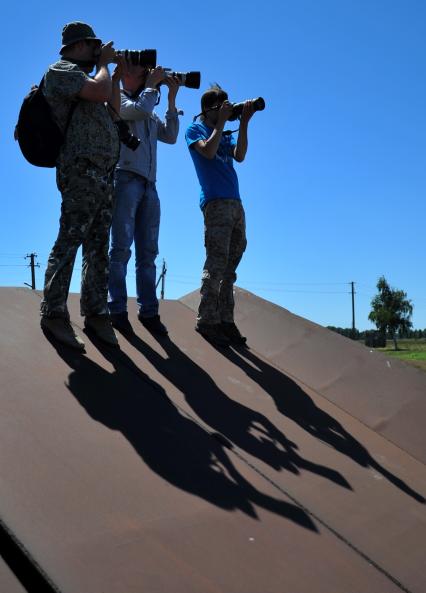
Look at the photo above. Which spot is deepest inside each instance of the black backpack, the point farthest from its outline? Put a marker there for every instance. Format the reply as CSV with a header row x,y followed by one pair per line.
x,y
39,137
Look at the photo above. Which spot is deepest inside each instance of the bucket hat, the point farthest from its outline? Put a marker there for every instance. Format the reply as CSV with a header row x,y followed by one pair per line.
x,y
76,31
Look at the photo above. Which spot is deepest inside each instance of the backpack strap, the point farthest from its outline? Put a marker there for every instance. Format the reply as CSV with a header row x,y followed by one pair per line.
x,y
70,113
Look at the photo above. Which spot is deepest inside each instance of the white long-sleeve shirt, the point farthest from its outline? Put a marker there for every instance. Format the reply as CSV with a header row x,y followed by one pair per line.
x,y
145,124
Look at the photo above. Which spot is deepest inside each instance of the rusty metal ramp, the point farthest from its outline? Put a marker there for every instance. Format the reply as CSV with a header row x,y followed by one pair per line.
x,y
385,394
169,466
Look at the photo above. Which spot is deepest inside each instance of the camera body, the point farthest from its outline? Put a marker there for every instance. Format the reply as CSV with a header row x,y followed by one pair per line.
x,y
125,135
237,108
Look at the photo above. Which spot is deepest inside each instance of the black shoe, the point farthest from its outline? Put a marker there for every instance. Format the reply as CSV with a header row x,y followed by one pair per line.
x,y
232,332
100,326
61,329
213,333
154,325
121,322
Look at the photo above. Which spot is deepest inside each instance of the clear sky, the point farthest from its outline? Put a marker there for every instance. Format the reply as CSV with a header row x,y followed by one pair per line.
x,y
334,182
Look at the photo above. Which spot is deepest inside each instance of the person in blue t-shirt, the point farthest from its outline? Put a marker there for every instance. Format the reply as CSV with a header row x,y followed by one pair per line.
x,y
213,153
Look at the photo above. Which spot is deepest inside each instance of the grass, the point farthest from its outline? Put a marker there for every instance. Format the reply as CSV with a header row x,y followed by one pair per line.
x,y
411,351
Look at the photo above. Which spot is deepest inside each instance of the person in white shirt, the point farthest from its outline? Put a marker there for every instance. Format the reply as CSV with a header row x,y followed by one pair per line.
x,y
136,215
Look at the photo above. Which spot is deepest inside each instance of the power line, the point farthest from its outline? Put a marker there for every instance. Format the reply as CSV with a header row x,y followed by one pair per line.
x,y
33,266
353,308
298,283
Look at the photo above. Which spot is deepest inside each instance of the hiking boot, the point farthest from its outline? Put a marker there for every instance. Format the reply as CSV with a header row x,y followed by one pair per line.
x,y
154,325
232,332
101,326
61,329
121,322
212,333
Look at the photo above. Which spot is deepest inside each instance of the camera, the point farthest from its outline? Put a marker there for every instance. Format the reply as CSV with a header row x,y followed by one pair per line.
x,y
139,57
125,135
237,108
147,58
189,79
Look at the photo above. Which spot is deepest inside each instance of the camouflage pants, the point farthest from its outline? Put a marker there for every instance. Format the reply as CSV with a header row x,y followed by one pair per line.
x,y
86,213
225,242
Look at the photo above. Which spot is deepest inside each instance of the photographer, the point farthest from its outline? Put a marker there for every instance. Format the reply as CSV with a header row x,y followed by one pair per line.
x,y
84,178
213,153
136,216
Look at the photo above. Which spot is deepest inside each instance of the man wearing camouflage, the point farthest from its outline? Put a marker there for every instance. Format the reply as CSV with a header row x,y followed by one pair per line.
x,y
84,177
224,220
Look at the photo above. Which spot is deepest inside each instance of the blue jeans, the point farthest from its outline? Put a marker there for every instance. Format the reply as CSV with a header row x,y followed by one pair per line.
x,y
136,217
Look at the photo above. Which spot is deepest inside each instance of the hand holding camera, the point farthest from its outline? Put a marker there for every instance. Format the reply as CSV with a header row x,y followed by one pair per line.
x,y
107,54
247,112
155,77
225,112
173,85
120,69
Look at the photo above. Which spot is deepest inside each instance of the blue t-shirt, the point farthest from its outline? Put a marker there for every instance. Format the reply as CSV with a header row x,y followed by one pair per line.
x,y
217,176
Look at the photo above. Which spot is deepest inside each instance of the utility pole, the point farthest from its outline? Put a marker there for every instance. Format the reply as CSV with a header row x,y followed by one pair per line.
x,y
33,266
353,309
162,278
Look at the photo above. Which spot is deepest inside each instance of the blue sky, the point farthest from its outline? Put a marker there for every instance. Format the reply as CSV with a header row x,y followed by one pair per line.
x,y
335,177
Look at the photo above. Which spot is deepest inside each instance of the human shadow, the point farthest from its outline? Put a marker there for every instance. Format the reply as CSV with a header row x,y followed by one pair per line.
x,y
171,444
294,403
246,428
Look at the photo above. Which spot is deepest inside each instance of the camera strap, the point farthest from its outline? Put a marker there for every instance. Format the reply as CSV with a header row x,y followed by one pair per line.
x,y
70,112
204,113
115,112
225,132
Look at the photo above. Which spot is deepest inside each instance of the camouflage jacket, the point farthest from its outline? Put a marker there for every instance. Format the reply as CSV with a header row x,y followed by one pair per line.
x,y
91,133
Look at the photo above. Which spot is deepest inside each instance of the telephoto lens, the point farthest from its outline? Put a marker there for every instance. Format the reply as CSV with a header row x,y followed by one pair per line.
x,y
190,80
139,57
237,108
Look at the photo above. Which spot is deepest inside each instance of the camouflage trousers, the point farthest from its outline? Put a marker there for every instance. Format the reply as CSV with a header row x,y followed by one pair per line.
x,y
225,242
86,212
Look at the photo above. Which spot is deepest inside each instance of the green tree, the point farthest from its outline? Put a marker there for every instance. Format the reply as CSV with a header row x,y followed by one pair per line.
x,y
391,310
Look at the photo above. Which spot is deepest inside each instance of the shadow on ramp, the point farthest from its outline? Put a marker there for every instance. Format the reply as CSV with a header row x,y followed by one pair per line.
x,y
294,403
172,445
246,428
